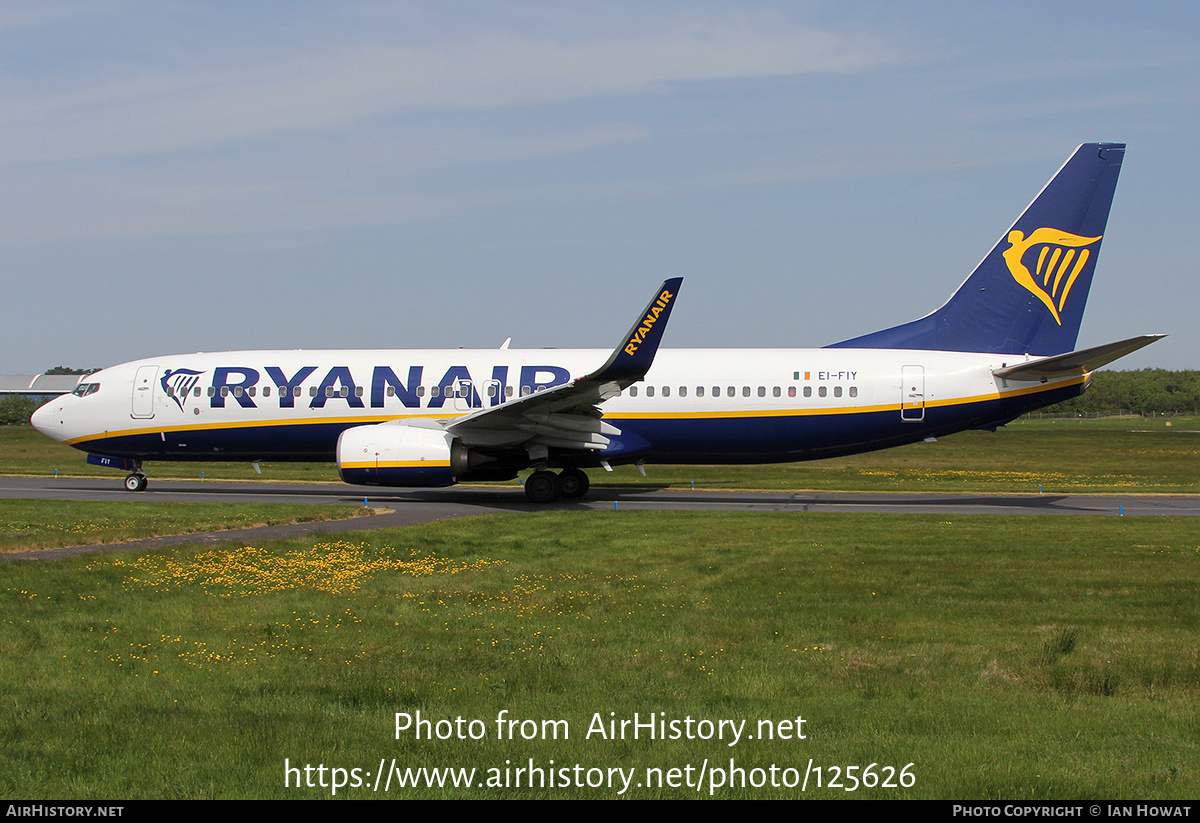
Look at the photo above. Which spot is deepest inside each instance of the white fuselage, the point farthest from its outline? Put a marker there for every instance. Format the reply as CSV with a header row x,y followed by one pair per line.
x,y
694,405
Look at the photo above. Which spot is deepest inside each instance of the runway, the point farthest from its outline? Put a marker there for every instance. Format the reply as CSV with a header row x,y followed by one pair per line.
x,y
411,506
424,505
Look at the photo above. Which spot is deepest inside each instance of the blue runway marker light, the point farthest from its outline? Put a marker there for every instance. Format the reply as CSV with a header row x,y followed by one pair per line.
x,y
1121,511
364,502
616,505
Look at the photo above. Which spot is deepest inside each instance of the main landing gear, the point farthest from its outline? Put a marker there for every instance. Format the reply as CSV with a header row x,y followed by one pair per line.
x,y
546,486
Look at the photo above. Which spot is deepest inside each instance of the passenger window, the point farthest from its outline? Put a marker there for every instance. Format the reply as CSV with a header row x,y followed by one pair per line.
x,y
391,391
808,391
491,391
683,391
854,391
433,391
266,391
837,391
699,391
716,391
791,391
745,391
225,391
211,391
649,391
508,391
732,391
420,391
762,391
633,391
312,391
823,391
237,391
196,393
666,391
526,391
775,392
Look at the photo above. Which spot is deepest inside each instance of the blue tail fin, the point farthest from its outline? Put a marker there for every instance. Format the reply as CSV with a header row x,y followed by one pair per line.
x,y
1028,294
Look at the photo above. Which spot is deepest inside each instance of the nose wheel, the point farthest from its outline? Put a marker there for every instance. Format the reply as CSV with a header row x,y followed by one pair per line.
x,y
136,483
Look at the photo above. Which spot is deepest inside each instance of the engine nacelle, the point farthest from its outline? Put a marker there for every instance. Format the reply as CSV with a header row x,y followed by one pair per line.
x,y
399,454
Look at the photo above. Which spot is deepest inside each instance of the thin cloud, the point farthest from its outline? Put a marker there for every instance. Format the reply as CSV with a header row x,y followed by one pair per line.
x,y
151,110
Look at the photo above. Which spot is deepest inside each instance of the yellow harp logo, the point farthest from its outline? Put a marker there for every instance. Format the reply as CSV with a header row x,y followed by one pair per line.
x,y
1061,258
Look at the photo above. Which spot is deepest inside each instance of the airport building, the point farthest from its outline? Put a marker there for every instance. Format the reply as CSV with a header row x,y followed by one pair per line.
x,y
39,387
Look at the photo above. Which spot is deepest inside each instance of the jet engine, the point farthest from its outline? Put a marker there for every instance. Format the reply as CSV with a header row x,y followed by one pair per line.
x,y
400,454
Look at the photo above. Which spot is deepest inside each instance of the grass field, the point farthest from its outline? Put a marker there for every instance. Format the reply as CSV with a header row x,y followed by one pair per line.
x,y
1058,456
41,524
1003,657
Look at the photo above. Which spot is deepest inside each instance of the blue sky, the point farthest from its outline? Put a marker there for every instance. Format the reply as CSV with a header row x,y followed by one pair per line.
x,y
207,176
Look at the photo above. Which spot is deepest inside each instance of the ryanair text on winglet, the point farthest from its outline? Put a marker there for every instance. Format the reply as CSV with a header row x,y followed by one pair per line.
x,y
660,305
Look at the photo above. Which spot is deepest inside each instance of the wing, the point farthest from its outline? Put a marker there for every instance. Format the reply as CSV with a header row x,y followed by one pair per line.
x,y
568,416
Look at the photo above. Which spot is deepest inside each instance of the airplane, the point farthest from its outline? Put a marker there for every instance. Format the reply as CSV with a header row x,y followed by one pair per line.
x,y
1002,345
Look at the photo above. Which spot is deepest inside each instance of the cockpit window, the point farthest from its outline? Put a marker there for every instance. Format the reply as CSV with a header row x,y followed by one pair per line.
x,y
84,389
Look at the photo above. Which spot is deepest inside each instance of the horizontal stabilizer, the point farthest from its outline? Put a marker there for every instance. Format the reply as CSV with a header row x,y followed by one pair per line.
x,y
1076,362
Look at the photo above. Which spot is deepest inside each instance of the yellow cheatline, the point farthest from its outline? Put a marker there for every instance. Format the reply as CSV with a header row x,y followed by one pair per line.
x,y
396,464
250,424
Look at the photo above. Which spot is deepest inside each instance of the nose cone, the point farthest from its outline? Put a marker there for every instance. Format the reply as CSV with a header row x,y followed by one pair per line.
x,y
46,419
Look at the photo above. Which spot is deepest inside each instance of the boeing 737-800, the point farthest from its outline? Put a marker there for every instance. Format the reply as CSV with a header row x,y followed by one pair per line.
x,y
1003,344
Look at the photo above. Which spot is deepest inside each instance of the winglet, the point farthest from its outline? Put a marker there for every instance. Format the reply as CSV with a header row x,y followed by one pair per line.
x,y
632,358
565,416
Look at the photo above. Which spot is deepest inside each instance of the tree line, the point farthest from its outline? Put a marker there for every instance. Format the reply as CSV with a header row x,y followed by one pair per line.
x,y
1146,392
